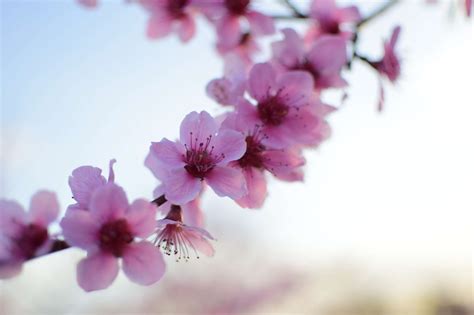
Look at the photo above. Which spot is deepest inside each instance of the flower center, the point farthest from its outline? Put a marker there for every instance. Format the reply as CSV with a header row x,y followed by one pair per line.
x,y
176,8
114,236
237,7
199,158
253,154
32,237
330,27
272,111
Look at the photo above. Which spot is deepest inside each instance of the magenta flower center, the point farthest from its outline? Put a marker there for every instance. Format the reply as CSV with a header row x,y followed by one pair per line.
x,y
200,159
176,8
114,236
330,26
237,7
310,68
253,154
32,237
272,111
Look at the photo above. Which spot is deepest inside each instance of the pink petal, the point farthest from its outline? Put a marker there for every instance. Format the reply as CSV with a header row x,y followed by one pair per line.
x,y
84,181
257,189
221,91
290,51
80,229
141,217
168,153
97,271
394,37
12,217
143,263
11,269
247,115
296,87
228,30
158,27
468,4
181,187
186,28
227,181
193,214
201,244
108,202
261,80
159,170
285,164
44,208
197,127
328,54
88,3
348,15
111,178
231,144
260,24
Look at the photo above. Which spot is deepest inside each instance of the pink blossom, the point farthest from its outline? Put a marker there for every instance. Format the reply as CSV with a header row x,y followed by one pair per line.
x,y
84,181
167,16
330,19
230,88
245,48
324,60
229,17
175,237
25,235
202,155
287,109
468,5
108,232
284,163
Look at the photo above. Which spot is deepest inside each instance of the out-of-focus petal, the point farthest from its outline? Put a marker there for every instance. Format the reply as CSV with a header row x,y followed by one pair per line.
x,y
231,144
181,187
97,271
83,181
261,81
108,202
260,24
227,181
143,263
141,217
197,127
256,187
44,208
80,229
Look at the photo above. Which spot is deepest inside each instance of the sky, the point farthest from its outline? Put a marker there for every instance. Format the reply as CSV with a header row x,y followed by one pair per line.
x,y
80,87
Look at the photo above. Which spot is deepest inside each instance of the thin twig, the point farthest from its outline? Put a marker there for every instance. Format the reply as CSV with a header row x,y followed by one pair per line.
x,y
377,12
296,12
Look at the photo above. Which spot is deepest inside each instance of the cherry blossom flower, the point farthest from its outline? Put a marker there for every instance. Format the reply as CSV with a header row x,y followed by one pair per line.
x,y
245,48
175,237
84,181
287,108
468,6
167,16
330,19
285,164
25,235
109,232
202,154
324,60
230,88
229,16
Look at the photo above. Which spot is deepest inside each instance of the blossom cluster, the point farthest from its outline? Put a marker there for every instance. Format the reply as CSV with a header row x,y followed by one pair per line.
x,y
273,112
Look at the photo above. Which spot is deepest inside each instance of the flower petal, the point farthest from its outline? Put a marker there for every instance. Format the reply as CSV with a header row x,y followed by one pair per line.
x,y
44,208
181,187
260,24
197,127
227,181
328,55
289,51
97,271
84,181
168,153
193,214
143,263
228,30
186,28
158,27
108,202
80,229
200,243
12,217
10,269
257,189
231,144
141,217
261,81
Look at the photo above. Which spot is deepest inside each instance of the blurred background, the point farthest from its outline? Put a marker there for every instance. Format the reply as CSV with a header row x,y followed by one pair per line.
x,y
383,223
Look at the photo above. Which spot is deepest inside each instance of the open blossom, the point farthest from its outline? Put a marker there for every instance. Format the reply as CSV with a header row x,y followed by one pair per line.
x,y
84,180
285,163
230,88
109,231
324,60
25,235
287,109
202,155
229,17
245,48
331,19
167,16
175,237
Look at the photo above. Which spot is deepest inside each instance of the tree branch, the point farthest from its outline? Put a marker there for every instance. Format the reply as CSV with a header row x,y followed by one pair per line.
x,y
296,12
377,12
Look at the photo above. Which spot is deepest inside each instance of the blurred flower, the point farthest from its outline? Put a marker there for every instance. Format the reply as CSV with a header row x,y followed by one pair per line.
x,y
324,60
89,3
25,235
108,231
203,153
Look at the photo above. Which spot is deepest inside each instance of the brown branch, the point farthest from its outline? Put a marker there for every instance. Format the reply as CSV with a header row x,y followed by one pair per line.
x,y
296,12
381,10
